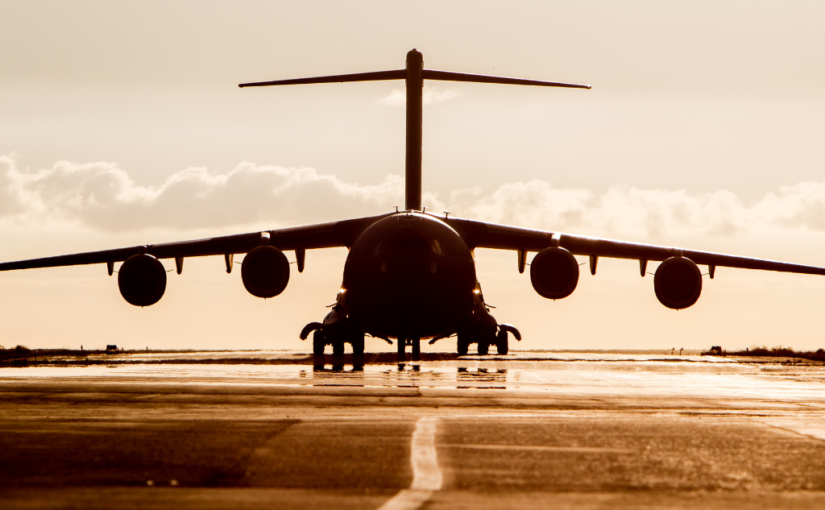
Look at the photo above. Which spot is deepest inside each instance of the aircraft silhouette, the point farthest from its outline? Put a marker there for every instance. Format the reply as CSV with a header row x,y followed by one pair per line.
x,y
410,275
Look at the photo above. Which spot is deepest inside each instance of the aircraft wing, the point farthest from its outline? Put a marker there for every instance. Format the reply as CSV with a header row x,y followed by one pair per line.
x,y
324,235
476,234
479,234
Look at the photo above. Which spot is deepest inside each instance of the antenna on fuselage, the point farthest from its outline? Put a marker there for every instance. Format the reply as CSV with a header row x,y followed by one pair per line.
x,y
414,75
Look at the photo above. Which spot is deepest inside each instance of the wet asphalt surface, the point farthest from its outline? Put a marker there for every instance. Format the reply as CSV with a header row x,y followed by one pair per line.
x,y
580,433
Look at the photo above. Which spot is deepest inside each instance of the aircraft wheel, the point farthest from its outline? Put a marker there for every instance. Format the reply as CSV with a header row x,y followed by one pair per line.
x,y
318,343
338,347
502,343
358,344
462,343
402,351
416,348
483,348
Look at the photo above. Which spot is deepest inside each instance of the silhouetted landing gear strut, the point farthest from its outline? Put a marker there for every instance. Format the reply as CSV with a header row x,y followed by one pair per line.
x,y
318,343
357,342
485,337
463,345
402,343
320,339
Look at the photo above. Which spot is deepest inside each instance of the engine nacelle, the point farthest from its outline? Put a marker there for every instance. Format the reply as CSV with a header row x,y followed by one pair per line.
x,y
554,273
142,280
678,283
265,271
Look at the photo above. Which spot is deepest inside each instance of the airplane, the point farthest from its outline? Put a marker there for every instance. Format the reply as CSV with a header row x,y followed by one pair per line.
x,y
410,274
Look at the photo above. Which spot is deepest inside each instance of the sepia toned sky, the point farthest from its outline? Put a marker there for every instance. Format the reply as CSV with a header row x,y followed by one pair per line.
x,y
121,123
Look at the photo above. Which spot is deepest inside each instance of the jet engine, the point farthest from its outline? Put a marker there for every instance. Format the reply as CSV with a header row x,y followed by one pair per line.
x,y
142,280
554,273
265,271
678,283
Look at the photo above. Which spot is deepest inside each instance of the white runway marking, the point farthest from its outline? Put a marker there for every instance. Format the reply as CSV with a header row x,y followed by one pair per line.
x,y
426,473
811,425
571,449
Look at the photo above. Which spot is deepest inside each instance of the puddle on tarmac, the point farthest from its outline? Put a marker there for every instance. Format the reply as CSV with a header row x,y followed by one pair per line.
x,y
577,375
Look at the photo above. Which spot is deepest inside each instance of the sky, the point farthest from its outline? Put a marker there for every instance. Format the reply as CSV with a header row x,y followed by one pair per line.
x,y
121,123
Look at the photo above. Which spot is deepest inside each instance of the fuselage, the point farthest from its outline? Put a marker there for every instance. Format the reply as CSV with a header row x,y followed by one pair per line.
x,y
409,274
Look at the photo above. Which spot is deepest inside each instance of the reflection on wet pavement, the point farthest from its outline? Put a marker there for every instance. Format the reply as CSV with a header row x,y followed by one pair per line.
x,y
522,431
579,375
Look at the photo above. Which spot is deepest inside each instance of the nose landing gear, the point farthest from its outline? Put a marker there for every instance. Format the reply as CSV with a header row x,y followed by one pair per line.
x,y
402,343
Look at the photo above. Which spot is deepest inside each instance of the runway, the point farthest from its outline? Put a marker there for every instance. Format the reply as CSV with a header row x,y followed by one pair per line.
x,y
524,431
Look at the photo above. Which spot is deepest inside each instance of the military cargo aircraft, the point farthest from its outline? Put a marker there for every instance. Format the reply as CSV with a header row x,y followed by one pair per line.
x,y
410,275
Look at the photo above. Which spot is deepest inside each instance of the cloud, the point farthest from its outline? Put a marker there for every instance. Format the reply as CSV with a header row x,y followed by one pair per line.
x,y
625,210
620,210
432,94
103,196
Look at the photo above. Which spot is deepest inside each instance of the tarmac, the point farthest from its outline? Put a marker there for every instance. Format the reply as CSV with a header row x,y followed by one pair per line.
x,y
529,430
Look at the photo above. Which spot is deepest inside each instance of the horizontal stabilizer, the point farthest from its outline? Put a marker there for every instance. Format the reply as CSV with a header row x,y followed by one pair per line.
x,y
376,76
427,74
430,74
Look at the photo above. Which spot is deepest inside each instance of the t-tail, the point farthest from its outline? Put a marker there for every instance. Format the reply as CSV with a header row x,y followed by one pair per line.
x,y
414,75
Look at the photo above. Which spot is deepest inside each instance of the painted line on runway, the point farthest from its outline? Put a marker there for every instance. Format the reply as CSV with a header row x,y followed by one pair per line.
x,y
809,426
426,473
570,449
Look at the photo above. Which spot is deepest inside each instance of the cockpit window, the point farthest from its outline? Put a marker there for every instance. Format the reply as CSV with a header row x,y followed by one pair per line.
x,y
409,240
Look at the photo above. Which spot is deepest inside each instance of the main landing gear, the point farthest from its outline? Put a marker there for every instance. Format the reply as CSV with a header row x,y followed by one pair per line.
x,y
481,328
485,338
337,339
336,330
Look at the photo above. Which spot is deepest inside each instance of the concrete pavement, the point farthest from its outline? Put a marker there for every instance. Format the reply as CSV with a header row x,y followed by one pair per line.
x,y
474,433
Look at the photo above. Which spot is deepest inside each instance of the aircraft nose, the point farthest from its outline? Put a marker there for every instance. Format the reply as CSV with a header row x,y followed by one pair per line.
x,y
408,267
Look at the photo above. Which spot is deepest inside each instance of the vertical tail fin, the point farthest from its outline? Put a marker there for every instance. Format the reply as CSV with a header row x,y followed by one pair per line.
x,y
414,75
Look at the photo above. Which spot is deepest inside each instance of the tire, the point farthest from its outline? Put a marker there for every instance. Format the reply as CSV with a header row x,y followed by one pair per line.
x,y
401,345
357,344
502,343
318,343
462,344
483,348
